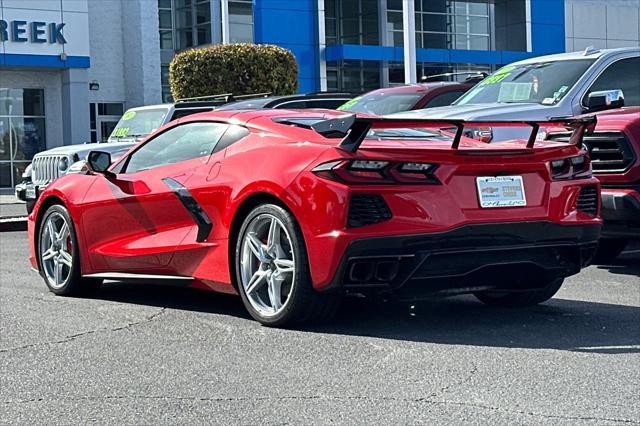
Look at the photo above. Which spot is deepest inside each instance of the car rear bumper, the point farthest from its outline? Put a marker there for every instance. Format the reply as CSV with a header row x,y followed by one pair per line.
x,y
621,213
508,256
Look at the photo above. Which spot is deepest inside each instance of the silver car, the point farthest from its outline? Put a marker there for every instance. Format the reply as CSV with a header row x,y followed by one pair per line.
x,y
546,87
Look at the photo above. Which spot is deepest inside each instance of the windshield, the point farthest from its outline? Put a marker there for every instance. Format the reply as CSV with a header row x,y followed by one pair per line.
x,y
544,83
138,123
382,103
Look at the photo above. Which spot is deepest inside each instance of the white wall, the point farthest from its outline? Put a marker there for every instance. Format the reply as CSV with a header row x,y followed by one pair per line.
x,y
125,52
141,50
602,24
105,38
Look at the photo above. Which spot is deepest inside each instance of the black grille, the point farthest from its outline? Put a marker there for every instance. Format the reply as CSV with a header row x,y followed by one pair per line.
x,y
610,152
367,209
588,200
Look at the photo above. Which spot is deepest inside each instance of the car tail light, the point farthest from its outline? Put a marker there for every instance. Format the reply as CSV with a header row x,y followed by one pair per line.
x,y
571,168
377,172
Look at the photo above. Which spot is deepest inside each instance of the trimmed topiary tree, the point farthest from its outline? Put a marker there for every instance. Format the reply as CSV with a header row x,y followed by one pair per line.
x,y
240,69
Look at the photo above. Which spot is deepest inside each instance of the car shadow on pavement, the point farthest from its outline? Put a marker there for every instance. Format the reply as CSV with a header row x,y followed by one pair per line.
x,y
181,298
572,325
627,264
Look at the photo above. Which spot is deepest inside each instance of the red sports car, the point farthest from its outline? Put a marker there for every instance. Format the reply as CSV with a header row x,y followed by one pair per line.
x,y
294,209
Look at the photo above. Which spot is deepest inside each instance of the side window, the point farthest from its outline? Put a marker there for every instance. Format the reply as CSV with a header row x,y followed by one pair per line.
x,y
181,143
622,74
179,113
443,99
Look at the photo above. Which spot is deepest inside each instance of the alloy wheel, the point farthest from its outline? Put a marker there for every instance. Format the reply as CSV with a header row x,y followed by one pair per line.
x,y
267,265
56,250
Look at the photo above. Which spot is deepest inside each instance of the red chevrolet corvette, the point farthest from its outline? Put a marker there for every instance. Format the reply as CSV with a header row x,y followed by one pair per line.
x,y
294,209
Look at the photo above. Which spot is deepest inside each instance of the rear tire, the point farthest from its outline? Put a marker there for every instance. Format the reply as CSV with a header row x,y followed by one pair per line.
x,y
272,271
59,257
516,299
609,249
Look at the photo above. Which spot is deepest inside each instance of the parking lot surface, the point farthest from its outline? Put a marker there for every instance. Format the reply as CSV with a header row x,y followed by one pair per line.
x,y
141,354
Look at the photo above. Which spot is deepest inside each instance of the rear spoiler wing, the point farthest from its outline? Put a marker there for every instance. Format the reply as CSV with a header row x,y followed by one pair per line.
x,y
353,130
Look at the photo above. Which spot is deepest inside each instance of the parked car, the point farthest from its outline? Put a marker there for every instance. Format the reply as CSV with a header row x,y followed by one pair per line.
x,y
323,100
406,98
614,149
134,125
545,87
235,202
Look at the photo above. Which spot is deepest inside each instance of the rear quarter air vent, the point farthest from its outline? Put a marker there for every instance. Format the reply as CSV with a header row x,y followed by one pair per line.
x,y
610,152
367,209
588,200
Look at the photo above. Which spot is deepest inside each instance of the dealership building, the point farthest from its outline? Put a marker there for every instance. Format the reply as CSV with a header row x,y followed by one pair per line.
x,y
69,68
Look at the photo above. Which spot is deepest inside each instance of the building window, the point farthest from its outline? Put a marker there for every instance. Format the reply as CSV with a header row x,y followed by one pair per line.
x,y
352,22
166,87
22,131
192,21
353,76
395,35
240,21
165,24
443,24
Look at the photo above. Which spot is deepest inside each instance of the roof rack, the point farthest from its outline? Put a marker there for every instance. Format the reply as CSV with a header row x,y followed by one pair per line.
x,y
590,50
472,75
205,98
228,97
330,92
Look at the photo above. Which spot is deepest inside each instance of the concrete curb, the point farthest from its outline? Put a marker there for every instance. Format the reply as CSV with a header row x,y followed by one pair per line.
x,y
13,223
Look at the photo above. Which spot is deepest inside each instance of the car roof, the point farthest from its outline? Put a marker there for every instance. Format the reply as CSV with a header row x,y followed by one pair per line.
x,y
584,54
146,107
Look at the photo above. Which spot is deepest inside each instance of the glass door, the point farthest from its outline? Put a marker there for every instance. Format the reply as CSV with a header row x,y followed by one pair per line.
x,y
22,131
104,117
106,126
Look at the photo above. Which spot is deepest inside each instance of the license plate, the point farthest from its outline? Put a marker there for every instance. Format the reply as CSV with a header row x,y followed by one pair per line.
x,y
501,191
30,193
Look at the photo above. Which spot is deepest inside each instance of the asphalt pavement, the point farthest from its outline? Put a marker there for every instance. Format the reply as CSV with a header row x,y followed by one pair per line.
x,y
140,354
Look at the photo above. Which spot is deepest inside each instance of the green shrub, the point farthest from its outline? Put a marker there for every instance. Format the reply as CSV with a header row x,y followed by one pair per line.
x,y
233,68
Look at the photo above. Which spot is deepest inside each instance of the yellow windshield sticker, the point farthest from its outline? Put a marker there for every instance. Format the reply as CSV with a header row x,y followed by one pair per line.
x,y
349,103
128,115
120,132
498,76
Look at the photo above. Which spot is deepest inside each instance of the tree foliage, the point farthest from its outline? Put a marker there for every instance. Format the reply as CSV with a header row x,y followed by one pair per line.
x,y
233,68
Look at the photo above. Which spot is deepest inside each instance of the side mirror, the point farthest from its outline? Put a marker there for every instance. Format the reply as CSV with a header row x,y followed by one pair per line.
x,y
605,99
99,162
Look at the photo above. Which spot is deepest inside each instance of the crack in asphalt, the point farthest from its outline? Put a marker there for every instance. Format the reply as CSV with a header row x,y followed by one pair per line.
x,y
88,332
447,388
426,400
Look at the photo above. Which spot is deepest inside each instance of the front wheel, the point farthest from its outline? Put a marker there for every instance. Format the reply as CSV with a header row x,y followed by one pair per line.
x,y
272,271
520,298
58,255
